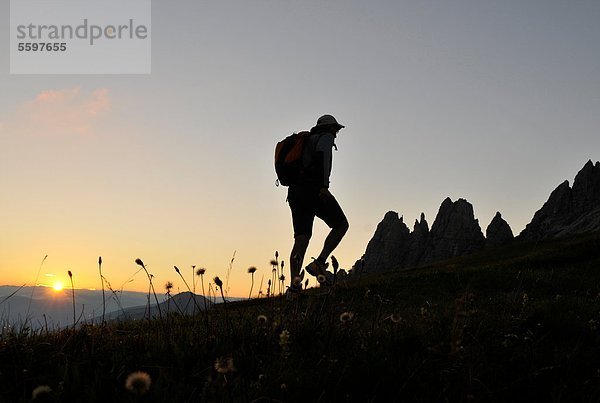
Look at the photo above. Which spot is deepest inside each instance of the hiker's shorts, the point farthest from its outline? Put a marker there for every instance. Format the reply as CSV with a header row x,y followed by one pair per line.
x,y
306,204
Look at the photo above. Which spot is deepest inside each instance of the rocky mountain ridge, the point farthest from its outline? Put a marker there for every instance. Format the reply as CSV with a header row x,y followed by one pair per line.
x,y
456,231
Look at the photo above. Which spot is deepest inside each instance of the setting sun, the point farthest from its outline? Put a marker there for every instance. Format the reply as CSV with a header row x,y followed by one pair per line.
x,y
58,286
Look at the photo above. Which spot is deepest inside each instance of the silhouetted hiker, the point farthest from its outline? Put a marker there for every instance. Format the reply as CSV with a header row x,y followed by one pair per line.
x,y
310,198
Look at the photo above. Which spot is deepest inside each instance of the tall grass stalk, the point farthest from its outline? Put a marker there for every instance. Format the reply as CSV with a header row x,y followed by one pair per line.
x,y
228,272
219,284
277,265
251,270
200,272
103,295
194,283
140,263
188,287
34,286
262,279
13,293
73,293
117,299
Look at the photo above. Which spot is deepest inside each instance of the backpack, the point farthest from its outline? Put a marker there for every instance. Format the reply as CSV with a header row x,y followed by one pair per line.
x,y
289,164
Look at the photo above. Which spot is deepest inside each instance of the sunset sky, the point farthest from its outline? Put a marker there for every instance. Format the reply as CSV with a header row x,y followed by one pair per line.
x,y
497,102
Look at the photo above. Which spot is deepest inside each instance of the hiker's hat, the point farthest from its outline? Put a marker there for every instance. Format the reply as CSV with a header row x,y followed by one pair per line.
x,y
328,120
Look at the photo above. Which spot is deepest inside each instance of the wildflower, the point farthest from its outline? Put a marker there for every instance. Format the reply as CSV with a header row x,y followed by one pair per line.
x,y
282,278
251,270
321,278
139,262
284,338
274,263
41,391
262,319
169,286
200,271
218,282
138,382
346,317
395,318
224,365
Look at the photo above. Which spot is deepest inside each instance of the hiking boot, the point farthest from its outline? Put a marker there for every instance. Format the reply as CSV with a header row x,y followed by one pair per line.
x,y
315,268
318,269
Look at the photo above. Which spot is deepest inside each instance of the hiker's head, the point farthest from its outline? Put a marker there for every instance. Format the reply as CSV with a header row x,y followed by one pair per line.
x,y
327,123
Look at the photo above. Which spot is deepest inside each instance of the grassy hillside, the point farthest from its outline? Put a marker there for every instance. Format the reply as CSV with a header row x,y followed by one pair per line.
x,y
520,323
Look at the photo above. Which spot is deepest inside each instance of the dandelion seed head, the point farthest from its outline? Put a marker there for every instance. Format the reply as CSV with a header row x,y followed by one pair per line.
x,y
40,391
138,382
284,338
346,317
262,319
251,270
218,281
224,365
395,318
200,271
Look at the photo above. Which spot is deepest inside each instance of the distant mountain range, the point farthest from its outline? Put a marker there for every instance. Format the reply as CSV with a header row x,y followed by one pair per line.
x,y
47,306
185,303
54,309
456,232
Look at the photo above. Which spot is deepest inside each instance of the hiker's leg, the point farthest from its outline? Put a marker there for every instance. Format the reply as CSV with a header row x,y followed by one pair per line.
x,y
330,211
297,255
333,240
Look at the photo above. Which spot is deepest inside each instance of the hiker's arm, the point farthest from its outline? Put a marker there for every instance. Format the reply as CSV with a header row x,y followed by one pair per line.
x,y
323,153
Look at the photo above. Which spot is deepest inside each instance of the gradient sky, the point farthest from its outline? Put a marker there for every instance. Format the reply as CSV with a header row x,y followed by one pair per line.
x,y
493,101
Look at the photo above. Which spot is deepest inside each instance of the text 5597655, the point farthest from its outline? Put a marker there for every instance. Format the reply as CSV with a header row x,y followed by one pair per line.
x,y
41,47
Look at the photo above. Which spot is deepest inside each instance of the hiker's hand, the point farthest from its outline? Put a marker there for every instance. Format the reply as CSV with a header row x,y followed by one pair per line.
x,y
324,193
